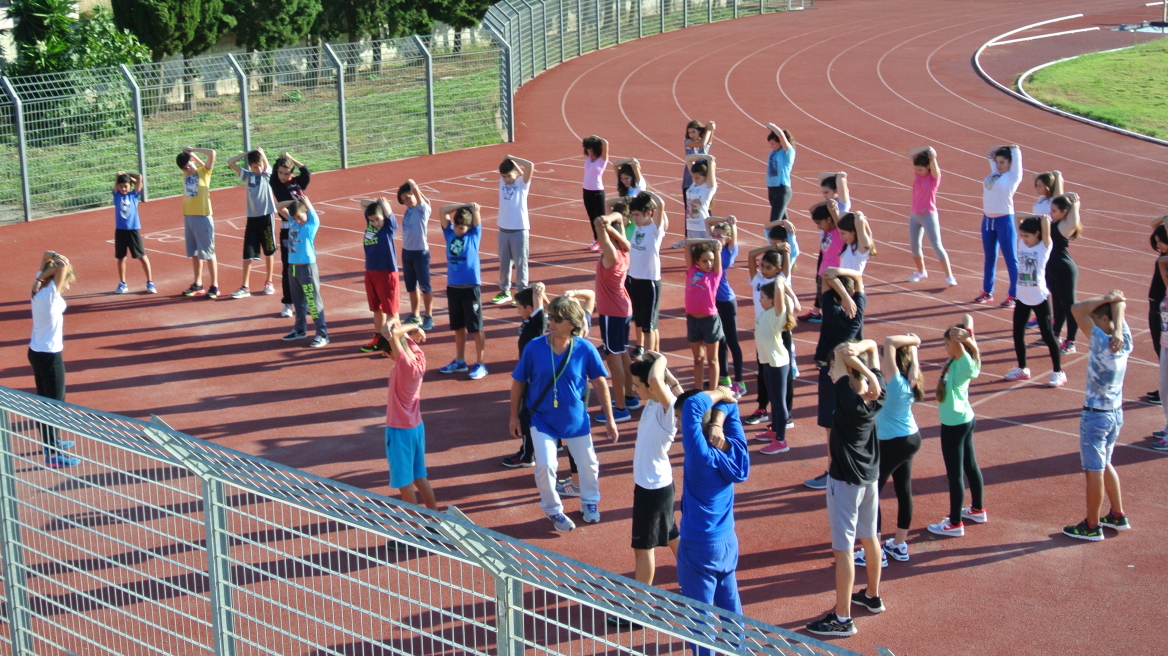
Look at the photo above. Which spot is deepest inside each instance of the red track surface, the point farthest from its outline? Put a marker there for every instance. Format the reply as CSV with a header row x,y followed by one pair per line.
x,y
859,84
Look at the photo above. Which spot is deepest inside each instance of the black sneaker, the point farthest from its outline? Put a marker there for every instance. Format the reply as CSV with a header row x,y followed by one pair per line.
x,y
194,290
516,462
873,604
1118,523
831,625
1084,532
817,483
620,622
637,353
1154,397
212,292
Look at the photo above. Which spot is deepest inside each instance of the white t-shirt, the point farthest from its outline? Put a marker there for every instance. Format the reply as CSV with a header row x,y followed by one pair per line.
x,y
697,209
1032,272
513,205
756,284
645,252
854,259
48,320
1042,206
633,191
655,434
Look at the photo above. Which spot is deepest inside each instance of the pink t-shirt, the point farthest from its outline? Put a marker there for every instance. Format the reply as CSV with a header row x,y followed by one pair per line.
x,y
611,298
404,407
594,173
701,290
924,199
829,247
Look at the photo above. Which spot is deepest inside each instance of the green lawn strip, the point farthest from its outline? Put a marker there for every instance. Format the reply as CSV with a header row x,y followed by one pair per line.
x,y
1127,89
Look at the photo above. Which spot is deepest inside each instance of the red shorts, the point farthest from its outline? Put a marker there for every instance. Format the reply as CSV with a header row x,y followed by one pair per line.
x,y
382,290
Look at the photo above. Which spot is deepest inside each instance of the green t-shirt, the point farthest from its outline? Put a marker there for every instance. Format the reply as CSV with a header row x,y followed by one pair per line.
x,y
955,409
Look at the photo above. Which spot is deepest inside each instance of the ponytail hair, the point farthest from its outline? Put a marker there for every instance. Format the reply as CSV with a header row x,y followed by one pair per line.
x,y
904,359
1064,204
941,386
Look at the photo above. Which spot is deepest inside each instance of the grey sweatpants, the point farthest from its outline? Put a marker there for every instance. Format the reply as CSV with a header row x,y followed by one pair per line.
x,y
931,225
306,298
513,245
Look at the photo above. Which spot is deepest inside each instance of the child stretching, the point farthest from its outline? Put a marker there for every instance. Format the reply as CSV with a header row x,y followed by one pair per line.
x,y
725,231
923,217
127,228
857,246
616,313
415,254
405,434
703,259
381,281
778,176
644,281
595,162
1062,274
529,303
1047,185
1032,294
698,196
824,215
764,264
698,138
259,235
461,227
775,360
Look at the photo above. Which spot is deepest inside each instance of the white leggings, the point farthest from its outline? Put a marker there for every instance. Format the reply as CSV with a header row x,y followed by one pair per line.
x,y
931,226
546,464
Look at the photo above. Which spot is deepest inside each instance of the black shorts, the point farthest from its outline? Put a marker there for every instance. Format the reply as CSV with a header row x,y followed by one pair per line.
x,y
826,413
646,298
128,240
703,329
258,236
653,524
614,334
464,305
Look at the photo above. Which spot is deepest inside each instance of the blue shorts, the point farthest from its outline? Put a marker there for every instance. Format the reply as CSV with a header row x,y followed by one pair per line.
x,y
415,268
405,449
614,334
1098,432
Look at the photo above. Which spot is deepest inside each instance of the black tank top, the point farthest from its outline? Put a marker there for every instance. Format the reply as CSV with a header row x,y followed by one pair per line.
x,y
1059,255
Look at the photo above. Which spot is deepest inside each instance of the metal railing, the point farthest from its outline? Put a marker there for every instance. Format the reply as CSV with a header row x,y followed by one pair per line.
x,y
161,543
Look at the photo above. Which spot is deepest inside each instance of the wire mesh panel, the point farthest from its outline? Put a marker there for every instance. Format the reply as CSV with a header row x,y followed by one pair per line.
x,y
676,14
608,22
467,108
11,200
189,103
292,104
385,97
79,130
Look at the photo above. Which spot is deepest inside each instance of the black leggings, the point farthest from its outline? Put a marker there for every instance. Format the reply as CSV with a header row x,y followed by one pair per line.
x,y
1154,324
594,206
728,313
1042,313
957,450
764,393
285,279
778,380
896,456
1062,277
779,197
48,370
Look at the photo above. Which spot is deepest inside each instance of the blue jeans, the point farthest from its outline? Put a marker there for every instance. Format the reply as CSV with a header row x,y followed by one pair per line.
x,y
1098,432
999,233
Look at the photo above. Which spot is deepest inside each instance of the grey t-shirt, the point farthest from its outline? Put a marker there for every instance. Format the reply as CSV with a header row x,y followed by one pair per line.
x,y
415,220
259,192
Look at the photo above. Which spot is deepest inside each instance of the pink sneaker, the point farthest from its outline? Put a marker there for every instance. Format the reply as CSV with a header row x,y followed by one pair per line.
x,y
1018,374
983,298
775,447
595,247
765,436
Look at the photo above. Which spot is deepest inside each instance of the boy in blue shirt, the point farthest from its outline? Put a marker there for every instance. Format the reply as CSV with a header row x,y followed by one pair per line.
x,y
302,266
461,226
127,228
259,235
381,282
415,264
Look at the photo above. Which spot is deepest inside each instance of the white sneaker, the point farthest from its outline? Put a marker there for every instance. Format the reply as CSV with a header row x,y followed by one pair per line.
x,y
918,276
1018,374
979,517
1057,379
242,292
861,559
943,527
590,512
897,551
287,311
951,281
562,523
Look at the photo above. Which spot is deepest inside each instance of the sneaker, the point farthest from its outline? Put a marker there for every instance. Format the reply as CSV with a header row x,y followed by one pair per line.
x,y
620,416
976,516
775,447
213,292
428,322
812,317
756,417
831,625
1153,397
1057,379
765,436
632,403
983,298
319,341
122,288
269,289
62,445
739,390
1067,347
287,312
897,551
456,366
562,523
373,345
566,488
590,513
1018,374
951,281
619,622
194,290
1159,445
918,276
479,370
1033,323
150,288
502,297
860,558
1160,435
60,462
679,244
294,335
1084,532
817,483
943,527
1038,342
1109,520
873,604
1009,303
594,247
637,353
413,320
515,462
242,292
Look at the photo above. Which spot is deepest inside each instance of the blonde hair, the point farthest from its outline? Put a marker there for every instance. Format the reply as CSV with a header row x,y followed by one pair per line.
x,y
70,275
569,309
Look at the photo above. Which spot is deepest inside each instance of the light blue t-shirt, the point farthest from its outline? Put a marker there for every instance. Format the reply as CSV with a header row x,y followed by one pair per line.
x,y
260,201
415,220
779,166
562,412
302,239
896,419
1105,370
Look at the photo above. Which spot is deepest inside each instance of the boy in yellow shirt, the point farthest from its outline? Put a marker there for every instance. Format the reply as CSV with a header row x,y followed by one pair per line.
x,y
197,219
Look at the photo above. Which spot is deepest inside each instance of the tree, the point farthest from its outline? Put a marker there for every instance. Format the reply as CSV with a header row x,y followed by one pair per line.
x,y
460,14
62,43
267,26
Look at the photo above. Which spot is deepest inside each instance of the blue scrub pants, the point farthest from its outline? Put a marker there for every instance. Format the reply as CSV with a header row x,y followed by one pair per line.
x,y
706,572
999,233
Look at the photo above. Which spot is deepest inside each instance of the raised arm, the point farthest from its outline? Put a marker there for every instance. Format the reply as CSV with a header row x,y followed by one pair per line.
x,y
604,149
525,165
731,220
585,297
139,180
1083,310
604,238
778,132
752,258
863,233
1045,219
934,168
209,153
1072,223
891,344
539,295
841,188
233,163
658,381
659,216
422,200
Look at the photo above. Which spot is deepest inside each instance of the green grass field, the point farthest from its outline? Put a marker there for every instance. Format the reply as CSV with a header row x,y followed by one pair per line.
x,y
1127,89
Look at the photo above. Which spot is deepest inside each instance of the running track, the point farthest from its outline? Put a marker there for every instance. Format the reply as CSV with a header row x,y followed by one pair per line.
x,y
859,84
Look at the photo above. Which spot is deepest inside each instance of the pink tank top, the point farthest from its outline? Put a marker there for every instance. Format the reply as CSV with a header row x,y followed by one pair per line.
x,y
594,173
611,298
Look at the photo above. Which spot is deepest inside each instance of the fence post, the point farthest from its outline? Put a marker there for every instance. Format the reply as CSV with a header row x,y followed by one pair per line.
x,y
684,13
579,27
429,89
21,144
661,15
543,33
563,26
506,86
599,23
640,19
11,550
344,136
241,75
709,11
616,7
139,127
761,7
735,8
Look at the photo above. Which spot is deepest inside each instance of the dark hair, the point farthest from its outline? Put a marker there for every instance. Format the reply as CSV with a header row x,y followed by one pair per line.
x,y
699,249
640,368
1047,179
829,182
1004,152
622,208
700,167
464,216
507,166
526,298
771,136
403,190
625,169
1064,204
296,207
778,233
768,256
1103,310
820,212
768,290
182,159
1159,233
904,358
282,163
695,124
123,178
642,203
253,157
847,222
922,159
848,282
594,145
685,396
1032,225
941,386
374,209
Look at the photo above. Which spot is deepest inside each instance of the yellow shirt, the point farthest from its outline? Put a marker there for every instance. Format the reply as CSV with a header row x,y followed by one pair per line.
x,y
197,193
768,339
